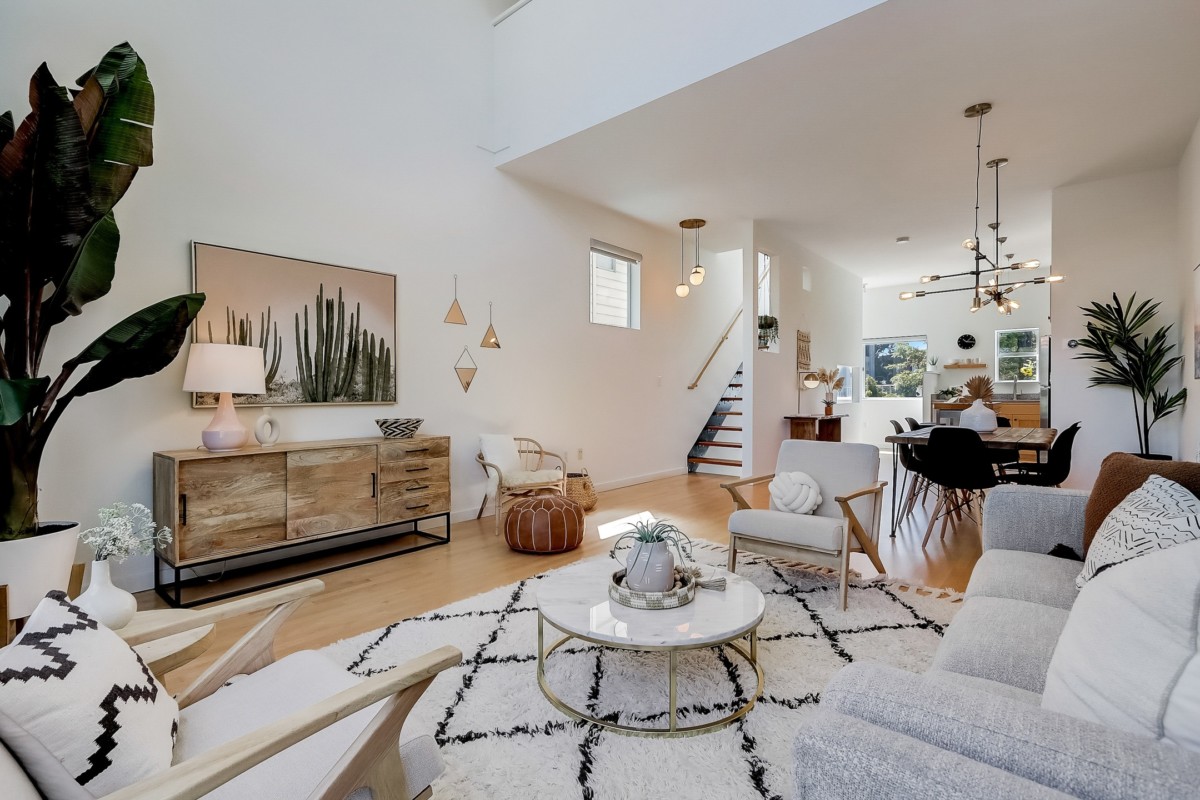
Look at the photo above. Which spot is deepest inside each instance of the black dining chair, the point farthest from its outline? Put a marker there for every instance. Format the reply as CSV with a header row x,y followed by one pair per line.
x,y
1002,457
913,483
957,460
1051,473
913,425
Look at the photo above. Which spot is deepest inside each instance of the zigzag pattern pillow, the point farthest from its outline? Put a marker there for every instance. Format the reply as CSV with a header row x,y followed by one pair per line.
x,y
78,707
1159,515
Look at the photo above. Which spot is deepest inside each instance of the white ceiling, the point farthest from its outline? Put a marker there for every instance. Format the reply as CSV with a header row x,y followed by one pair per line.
x,y
854,135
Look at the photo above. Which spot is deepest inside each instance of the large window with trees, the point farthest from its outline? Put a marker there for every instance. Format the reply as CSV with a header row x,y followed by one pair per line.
x,y
895,367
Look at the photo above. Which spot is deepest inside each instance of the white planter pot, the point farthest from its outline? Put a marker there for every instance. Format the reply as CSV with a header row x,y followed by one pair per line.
x,y
978,418
31,567
105,602
650,567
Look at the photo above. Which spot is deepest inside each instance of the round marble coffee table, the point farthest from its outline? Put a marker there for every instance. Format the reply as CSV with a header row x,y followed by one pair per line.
x,y
576,602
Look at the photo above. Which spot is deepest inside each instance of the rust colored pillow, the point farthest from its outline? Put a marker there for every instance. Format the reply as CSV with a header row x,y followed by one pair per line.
x,y
1122,473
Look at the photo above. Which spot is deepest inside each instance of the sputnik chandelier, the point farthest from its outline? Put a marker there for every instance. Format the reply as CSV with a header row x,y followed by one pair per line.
x,y
994,291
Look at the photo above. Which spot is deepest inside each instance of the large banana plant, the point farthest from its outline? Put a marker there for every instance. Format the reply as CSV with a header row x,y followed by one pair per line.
x,y
61,172
1125,356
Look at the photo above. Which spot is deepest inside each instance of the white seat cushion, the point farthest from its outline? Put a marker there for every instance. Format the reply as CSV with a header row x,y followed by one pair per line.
x,y
289,685
502,451
14,783
519,478
798,530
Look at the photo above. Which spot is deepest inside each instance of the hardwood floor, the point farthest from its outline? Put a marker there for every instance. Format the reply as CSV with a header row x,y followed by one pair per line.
x,y
371,596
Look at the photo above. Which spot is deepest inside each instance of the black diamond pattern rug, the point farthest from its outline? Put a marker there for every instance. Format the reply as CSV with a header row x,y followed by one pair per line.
x,y
501,738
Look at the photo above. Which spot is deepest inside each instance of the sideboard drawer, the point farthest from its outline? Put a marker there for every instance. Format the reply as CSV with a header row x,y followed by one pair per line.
x,y
414,448
397,508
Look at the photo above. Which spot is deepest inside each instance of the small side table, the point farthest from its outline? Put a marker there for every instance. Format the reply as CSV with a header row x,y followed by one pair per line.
x,y
817,427
169,652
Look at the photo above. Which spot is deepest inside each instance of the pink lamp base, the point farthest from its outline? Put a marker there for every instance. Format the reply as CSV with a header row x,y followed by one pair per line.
x,y
226,431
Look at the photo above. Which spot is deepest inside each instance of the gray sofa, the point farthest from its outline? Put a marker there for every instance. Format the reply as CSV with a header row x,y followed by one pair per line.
x,y
974,726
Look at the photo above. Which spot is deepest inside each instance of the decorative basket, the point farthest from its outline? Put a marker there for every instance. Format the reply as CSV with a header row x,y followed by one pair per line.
x,y
683,593
581,489
399,428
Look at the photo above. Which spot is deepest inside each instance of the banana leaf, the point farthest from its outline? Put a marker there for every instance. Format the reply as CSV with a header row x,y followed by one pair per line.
x,y
141,344
19,397
89,275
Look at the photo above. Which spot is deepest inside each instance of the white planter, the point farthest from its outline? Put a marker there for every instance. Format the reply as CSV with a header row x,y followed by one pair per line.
x,y
31,567
105,602
650,567
978,418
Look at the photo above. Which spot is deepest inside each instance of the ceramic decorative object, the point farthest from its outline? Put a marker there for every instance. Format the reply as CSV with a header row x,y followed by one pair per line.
x,y
978,418
105,602
400,428
650,567
266,429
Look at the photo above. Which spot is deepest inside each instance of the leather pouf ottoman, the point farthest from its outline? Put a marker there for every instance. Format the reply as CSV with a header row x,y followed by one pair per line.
x,y
544,524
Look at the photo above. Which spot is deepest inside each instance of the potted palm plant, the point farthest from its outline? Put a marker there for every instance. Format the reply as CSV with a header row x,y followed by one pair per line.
x,y
61,172
1129,357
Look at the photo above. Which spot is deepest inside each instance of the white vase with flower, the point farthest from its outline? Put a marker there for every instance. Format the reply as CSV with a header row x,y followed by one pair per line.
x,y
125,530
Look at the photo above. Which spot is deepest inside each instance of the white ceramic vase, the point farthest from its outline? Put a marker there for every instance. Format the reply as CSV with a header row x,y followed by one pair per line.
x,y
36,565
650,567
266,428
108,604
978,418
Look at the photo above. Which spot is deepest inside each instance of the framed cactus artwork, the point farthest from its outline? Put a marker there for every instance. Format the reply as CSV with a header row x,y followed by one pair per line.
x,y
328,333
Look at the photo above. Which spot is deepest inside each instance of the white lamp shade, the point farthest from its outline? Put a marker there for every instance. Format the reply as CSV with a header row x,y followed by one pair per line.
x,y
225,368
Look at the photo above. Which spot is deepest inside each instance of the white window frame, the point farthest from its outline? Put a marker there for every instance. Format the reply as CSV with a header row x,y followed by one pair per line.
x,y
763,284
1034,354
633,283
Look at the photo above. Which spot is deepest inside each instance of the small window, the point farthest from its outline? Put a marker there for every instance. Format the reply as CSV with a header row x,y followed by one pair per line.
x,y
894,367
615,286
764,285
1017,355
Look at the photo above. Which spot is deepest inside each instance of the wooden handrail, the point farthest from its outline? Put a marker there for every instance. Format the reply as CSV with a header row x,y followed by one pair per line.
x,y
737,315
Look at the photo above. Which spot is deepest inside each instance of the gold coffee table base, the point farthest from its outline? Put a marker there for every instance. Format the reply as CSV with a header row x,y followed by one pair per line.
x,y
674,730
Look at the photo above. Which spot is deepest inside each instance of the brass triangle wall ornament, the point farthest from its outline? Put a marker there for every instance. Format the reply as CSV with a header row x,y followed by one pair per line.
x,y
465,374
490,339
455,315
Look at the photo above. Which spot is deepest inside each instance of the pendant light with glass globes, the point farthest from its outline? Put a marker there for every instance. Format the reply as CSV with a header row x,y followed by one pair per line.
x,y
696,277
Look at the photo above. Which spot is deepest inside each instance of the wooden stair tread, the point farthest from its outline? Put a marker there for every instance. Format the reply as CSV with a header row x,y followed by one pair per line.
x,y
735,385
718,444
723,462
722,427
727,413
728,399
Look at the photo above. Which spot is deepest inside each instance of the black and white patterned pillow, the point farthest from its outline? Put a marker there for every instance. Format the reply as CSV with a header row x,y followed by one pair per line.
x,y
1158,515
78,707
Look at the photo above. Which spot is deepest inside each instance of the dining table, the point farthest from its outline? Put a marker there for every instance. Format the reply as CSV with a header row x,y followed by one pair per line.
x,y
1038,440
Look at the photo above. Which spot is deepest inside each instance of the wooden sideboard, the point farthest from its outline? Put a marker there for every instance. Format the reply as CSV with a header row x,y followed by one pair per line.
x,y
257,500
1020,413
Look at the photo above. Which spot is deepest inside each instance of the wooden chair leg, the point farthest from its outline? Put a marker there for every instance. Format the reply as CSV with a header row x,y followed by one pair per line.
x,y
482,505
732,564
941,501
844,577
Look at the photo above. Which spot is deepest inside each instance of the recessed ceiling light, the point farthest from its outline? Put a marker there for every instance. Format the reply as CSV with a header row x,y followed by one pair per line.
x,y
901,240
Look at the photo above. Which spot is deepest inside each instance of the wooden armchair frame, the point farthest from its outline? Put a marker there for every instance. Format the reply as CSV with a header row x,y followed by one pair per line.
x,y
856,536
373,760
505,494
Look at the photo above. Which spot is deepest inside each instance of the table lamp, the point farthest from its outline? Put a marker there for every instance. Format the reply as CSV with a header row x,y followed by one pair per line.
x,y
225,368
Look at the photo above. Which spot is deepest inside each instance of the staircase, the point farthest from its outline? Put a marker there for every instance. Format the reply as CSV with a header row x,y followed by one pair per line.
x,y
719,445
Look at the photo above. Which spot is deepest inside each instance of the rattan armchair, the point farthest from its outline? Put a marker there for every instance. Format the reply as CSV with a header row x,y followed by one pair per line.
x,y
516,468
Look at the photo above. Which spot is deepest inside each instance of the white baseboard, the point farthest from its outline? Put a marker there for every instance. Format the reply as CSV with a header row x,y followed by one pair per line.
x,y
464,514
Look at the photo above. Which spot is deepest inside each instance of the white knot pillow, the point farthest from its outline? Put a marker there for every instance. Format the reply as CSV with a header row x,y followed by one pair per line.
x,y
796,492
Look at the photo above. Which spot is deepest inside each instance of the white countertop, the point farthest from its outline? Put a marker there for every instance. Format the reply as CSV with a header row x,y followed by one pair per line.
x,y
575,600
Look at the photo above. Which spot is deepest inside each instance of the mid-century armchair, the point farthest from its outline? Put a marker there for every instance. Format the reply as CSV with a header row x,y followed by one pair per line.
x,y
254,727
515,467
846,521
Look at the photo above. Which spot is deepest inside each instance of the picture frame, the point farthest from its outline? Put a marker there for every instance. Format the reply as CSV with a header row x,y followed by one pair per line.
x,y
298,302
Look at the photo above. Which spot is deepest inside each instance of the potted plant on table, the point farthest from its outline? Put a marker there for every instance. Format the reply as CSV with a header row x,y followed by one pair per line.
x,y
1128,357
833,381
61,172
650,566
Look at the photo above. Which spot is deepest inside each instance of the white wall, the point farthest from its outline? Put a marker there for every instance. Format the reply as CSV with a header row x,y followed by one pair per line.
x,y
351,138
1115,235
831,311
1189,258
562,67
942,318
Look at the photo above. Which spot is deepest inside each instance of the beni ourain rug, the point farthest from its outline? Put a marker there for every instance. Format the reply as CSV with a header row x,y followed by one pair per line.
x,y
501,738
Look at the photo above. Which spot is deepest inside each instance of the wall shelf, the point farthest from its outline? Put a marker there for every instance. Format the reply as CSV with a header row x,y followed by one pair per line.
x,y
976,365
